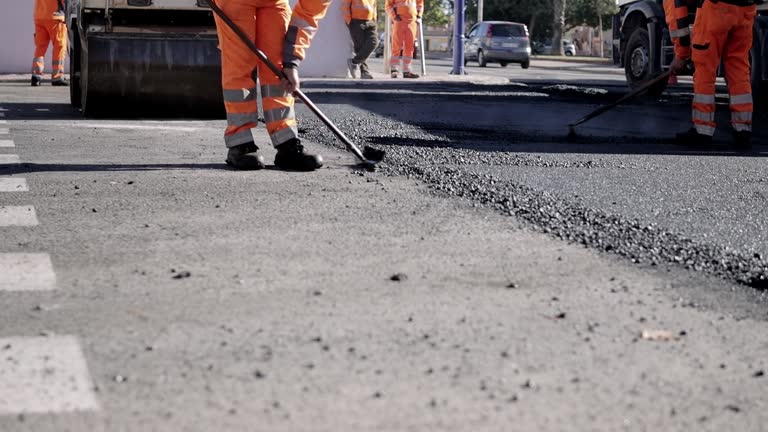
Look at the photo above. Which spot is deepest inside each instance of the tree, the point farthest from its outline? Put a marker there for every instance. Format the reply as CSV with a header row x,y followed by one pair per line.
x,y
436,13
558,26
594,13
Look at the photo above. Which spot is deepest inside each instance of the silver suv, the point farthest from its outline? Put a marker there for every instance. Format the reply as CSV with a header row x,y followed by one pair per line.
x,y
498,42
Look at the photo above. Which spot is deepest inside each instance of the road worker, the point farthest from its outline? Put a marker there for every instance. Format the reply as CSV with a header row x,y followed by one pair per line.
x,y
49,27
360,16
284,37
405,15
722,31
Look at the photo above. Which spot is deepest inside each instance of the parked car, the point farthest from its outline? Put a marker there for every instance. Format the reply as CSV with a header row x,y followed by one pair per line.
x,y
545,48
379,51
499,42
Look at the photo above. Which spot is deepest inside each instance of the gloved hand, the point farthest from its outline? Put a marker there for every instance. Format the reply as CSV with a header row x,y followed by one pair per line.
x,y
678,65
291,81
418,18
397,18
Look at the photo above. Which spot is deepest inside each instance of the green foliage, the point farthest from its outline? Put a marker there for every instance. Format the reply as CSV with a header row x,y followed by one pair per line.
x,y
588,12
436,13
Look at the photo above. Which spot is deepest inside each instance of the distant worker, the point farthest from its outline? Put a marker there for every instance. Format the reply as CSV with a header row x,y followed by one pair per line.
x,y
360,16
49,27
284,37
405,15
722,31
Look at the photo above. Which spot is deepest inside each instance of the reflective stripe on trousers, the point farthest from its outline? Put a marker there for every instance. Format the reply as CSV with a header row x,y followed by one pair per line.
x,y
267,27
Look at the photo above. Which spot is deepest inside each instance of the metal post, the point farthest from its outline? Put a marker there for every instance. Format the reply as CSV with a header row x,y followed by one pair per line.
x,y
387,44
422,49
458,38
479,10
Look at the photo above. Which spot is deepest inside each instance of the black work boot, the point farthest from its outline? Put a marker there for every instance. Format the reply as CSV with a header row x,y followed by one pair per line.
x,y
245,157
292,157
61,82
742,140
409,75
693,138
365,74
36,81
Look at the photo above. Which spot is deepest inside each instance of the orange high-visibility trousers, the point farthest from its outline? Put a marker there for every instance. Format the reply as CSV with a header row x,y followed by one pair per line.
x,y
47,31
403,43
265,22
722,31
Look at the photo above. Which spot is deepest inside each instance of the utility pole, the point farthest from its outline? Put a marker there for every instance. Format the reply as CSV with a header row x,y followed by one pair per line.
x,y
458,37
479,10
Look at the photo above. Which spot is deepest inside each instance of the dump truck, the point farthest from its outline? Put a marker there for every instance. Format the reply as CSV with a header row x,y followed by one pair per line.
x,y
643,47
143,55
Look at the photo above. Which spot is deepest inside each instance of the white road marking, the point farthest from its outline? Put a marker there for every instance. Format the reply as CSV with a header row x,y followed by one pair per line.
x,y
6,143
4,131
130,126
13,184
26,272
7,159
17,216
44,375
3,121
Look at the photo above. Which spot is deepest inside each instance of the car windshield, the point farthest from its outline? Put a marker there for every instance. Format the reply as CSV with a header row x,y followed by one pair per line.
x,y
506,30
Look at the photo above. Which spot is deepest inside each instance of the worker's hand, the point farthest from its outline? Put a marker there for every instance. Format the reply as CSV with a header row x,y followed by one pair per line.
x,y
418,18
291,81
678,65
397,18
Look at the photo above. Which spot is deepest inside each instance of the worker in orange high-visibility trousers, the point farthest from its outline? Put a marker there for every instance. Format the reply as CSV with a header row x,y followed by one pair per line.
x,y
405,15
49,27
284,37
360,16
722,31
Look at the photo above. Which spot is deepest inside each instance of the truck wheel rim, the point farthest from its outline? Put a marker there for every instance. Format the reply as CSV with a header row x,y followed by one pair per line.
x,y
638,62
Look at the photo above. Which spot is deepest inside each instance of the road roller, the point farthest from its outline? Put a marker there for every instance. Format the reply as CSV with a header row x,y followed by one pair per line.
x,y
144,56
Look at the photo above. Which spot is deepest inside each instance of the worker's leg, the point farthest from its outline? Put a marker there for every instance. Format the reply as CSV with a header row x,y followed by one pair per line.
x,y
59,35
397,46
710,31
737,70
271,28
42,40
237,63
409,37
368,41
356,33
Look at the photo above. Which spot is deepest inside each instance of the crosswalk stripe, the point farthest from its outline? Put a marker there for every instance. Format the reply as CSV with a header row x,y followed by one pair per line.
x,y
44,375
26,272
18,216
6,143
13,184
7,159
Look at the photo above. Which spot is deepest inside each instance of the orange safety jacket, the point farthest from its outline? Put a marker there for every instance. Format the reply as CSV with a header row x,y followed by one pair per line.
x,y
49,9
302,29
358,9
678,20
405,9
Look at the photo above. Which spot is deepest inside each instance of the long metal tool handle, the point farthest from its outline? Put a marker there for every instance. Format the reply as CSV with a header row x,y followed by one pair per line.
x,y
642,89
421,49
298,93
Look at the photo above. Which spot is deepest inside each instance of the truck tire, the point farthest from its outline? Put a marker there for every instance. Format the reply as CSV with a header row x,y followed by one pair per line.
x,y
75,97
90,105
637,63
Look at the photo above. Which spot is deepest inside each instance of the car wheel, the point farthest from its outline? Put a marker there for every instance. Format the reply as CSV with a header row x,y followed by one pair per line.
x,y
526,64
503,64
481,59
637,63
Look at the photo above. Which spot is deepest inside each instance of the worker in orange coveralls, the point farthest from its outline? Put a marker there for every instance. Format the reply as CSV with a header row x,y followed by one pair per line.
x,y
284,38
49,27
722,31
405,15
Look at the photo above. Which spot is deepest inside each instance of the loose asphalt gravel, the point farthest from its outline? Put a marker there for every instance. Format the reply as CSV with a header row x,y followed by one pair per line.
x,y
630,192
